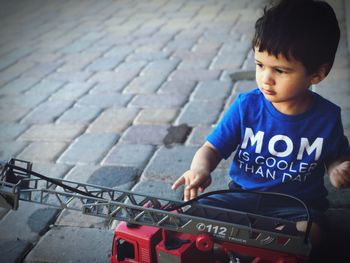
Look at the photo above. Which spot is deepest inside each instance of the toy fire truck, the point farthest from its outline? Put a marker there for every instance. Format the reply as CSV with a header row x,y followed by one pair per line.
x,y
158,230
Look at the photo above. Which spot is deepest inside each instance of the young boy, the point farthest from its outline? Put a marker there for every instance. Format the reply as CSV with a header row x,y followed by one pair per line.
x,y
285,136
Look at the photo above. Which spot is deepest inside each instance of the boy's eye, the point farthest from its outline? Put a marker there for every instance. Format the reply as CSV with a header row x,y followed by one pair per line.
x,y
259,65
280,71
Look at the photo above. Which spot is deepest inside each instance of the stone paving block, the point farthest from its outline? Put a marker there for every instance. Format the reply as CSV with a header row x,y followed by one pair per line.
x,y
42,151
80,114
88,148
72,244
69,76
145,134
47,112
78,61
45,87
52,132
27,223
41,70
71,91
146,82
194,74
55,170
22,101
12,114
10,131
105,87
176,134
105,100
14,71
158,101
177,86
113,120
13,250
198,135
168,164
17,86
211,90
11,149
209,113
157,189
131,155
104,63
156,116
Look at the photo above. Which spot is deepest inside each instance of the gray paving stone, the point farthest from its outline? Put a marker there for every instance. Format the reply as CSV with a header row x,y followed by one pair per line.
x,y
88,148
177,86
104,63
198,135
52,132
27,223
66,244
105,100
113,120
10,131
17,86
195,74
45,87
177,134
156,116
158,101
157,189
168,164
211,90
71,91
70,76
42,151
22,101
145,134
130,155
11,149
78,61
47,112
13,114
13,250
79,114
209,113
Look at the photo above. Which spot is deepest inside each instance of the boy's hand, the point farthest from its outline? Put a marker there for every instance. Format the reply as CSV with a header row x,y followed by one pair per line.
x,y
340,174
194,182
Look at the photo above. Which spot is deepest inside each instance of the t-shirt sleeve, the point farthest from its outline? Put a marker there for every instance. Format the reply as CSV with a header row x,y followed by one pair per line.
x,y
225,136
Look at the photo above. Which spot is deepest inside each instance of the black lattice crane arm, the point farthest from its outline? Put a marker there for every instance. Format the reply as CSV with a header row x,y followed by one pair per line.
x,y
19,182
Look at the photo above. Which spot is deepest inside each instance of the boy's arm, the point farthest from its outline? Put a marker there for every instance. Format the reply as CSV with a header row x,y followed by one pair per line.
x,y
198,177
339,172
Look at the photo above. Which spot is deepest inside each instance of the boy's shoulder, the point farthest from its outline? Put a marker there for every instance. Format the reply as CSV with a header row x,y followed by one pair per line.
x,y
325,105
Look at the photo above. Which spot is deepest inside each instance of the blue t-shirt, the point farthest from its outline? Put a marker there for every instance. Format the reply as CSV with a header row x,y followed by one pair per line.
x,y
278,152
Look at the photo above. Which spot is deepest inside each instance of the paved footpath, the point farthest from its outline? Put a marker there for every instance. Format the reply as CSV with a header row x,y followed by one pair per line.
x,y
121,94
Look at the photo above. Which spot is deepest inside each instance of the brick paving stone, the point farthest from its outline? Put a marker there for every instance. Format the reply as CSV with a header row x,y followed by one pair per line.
x,y
41,70
55,170
66,244
18,85
13,250
211,90
71,91
146,82
167,164
52,132
157,189
156,116
198,135
105,100
28,222
10,149
10,131
45,87
70,76
12,114
88,148
176,134
159,101
177,86
131,155
104,87
145,134
42,151
107,63
194,74
80,114
14,71
208,113
113,120
47,112
77,62
22,100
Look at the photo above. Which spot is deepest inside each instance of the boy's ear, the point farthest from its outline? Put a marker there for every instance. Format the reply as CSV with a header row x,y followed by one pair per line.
x,y
320,74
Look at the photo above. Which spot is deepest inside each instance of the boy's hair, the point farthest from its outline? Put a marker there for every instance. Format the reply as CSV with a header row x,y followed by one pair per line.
x,y
305,30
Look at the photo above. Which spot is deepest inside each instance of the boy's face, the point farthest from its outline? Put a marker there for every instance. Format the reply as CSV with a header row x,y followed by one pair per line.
x,y
283,82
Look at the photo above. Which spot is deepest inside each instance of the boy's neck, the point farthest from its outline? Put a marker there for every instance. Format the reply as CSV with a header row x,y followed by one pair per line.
x,y
295,107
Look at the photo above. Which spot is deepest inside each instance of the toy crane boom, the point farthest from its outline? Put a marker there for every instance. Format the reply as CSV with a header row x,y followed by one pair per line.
x,y
19,182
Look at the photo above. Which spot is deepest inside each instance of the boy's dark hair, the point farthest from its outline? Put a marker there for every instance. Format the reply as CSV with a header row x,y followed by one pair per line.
x,y
307,30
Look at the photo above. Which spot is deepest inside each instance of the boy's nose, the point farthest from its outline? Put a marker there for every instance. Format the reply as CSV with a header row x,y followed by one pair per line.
x,y
267,78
